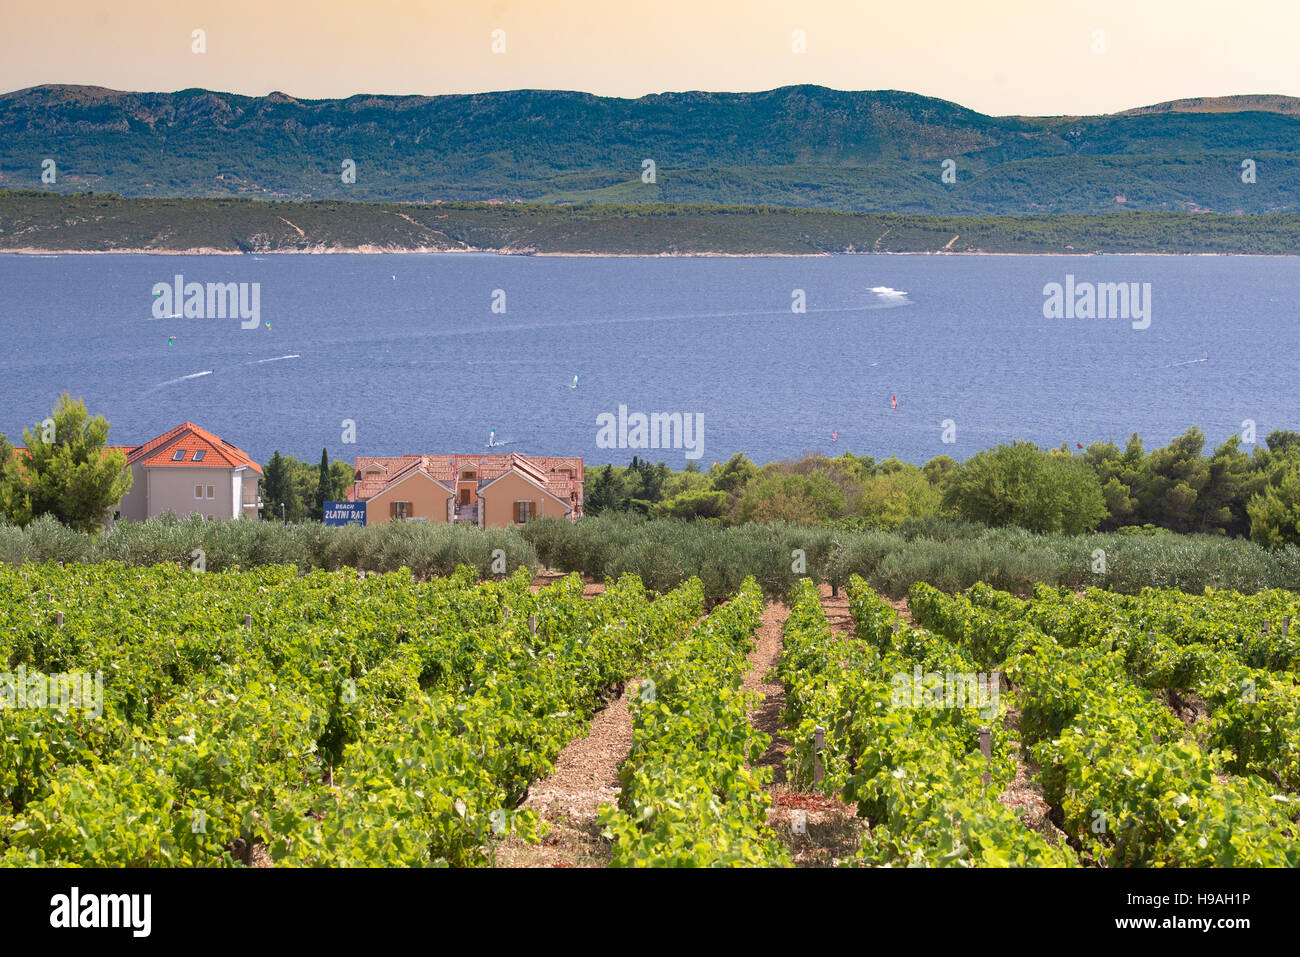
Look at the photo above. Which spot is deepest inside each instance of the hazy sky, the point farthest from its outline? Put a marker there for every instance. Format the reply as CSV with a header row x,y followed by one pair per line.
x,y
997,56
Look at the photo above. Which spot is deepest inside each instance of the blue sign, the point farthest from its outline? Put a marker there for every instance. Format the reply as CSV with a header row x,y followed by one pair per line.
x,y
345,513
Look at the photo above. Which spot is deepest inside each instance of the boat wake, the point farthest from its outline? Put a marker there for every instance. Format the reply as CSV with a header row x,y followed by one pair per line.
x,y
277,359
184,378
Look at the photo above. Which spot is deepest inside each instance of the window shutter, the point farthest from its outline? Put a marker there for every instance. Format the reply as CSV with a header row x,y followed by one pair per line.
x,y
392,510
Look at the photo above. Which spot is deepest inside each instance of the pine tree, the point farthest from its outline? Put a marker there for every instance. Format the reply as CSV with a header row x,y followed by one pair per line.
x,y
66,471
1275,514
277,489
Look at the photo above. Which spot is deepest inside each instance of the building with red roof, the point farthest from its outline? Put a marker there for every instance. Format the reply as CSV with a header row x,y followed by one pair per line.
x,y
190,471
484,490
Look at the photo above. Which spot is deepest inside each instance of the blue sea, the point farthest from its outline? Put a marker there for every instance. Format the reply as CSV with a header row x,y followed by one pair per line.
x,y
410,350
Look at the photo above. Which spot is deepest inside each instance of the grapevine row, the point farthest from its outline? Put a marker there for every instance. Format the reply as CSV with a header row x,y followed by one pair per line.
x,y
912,764
690,796
1127,785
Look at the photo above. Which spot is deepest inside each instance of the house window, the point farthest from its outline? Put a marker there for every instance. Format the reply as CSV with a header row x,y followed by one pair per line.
x,y
198,491
400,511
198,456
468,475
523,512
178,456
211,492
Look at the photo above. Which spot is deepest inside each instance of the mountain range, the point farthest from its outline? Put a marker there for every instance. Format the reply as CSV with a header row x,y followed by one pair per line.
x,y
804,146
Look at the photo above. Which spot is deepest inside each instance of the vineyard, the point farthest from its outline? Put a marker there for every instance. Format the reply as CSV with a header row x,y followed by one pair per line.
x,y
1106,690
274,718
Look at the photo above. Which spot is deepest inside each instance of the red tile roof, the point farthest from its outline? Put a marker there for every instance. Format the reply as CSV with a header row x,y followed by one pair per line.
x,y
217,452
188,437
153,445
542,469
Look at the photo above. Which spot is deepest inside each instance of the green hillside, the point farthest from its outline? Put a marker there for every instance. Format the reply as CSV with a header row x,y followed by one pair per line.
x,y
801,146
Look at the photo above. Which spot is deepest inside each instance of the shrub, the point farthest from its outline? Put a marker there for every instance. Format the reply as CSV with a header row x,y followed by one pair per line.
x,y
1020,485
47,540
950,554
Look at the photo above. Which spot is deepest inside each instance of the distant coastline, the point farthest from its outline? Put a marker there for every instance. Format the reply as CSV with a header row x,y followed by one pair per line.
x,y
39,223
368,251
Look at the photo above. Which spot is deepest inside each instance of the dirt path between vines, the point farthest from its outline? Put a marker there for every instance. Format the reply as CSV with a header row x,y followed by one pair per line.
x,y
837,611
585,777
1024,794
830,828
841,618
767,717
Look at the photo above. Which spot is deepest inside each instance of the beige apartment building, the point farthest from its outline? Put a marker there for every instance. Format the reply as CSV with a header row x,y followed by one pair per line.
x,y
190,471
485,490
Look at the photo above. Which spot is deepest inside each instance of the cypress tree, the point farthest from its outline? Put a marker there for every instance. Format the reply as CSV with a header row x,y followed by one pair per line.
x,y
322,486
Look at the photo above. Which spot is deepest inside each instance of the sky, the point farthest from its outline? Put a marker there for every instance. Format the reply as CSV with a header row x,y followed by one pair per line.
x,y
1033,57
